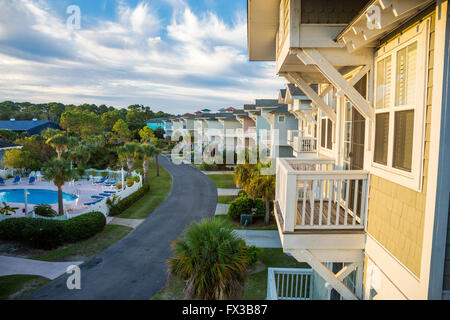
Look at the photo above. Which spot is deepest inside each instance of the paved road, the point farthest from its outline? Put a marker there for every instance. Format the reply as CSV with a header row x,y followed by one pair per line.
x,y
136,266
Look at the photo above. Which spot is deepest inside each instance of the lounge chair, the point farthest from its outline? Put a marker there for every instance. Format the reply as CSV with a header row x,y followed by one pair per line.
x,y
16,180
2,182
103,180
105,194
110,192
32,180
97,197
91,203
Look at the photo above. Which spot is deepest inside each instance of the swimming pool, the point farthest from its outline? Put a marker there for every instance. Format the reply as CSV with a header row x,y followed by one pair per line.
x,y
34,196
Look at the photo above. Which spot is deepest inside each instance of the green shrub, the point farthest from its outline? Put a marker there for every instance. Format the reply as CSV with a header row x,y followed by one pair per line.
x,y
208,167
45,210
137,179
239,206
242,193
104,174
43,234
130,182
119,185
80,170
49,234
122,205
260,207
83,227
253,255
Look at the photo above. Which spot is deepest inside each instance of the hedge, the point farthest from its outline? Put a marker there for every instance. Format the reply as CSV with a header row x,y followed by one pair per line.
x,y
49,234
246,205
122,205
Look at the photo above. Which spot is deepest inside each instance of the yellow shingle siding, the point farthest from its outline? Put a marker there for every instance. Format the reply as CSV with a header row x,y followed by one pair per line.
x,y
396,213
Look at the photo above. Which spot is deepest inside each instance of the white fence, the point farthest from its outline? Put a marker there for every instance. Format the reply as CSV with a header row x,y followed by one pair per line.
x,y
289,284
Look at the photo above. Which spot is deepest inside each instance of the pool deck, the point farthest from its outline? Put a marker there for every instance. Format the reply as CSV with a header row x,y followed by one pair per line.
x,y
83,189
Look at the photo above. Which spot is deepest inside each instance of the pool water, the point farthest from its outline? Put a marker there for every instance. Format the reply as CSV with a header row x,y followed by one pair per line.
x,y
34,196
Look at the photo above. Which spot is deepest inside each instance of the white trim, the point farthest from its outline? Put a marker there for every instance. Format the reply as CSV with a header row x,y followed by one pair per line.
x,y
413,179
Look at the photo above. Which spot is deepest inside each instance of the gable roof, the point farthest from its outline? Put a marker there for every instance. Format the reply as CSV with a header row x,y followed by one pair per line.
x,y
266,103
6,145
283,109
21,125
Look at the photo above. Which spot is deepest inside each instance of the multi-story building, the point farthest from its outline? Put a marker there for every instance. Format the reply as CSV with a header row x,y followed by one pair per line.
x,y
369,213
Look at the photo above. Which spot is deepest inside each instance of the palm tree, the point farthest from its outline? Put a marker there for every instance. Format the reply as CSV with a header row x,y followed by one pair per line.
x,y
156,155
262,186
129,151
58,171
243,173
146,151
212,260
80,154
50,132
59,142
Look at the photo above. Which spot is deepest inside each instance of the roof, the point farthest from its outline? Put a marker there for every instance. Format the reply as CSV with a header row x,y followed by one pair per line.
x,y
206,110
156,120
267,103
249,107
230,109
283,109
21,125
5,144
295,91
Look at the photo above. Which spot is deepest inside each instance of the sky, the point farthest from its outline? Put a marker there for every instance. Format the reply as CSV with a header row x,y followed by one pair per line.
x,y
172,55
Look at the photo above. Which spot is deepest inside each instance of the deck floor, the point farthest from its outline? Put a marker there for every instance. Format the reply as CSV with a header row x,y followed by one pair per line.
x,y
333,214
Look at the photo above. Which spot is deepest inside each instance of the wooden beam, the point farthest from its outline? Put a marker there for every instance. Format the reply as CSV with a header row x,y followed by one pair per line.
x,y
299,82
324,272
346,270
338,81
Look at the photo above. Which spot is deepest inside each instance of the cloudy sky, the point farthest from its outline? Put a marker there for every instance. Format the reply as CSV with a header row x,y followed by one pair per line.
x,y
172,55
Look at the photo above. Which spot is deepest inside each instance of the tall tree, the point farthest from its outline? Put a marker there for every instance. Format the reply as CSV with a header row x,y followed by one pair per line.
x,y
60,143
147,135
130,151
212,260
262,186
121,131
58,171
147,152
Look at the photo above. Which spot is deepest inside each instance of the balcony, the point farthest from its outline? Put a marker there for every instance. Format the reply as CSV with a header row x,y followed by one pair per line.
x,y
289,284
314,199
301,144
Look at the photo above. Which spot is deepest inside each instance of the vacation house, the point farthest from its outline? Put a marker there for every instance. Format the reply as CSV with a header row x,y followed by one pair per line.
x,y
369,211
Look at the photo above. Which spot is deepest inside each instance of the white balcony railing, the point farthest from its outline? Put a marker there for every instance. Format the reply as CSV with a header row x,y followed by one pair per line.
x,y
294,133
289,284
313,194
305,144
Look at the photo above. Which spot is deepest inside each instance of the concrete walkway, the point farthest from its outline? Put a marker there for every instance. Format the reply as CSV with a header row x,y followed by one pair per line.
x,y
132,223
227,192
135,268
260,238
221,209
51,270
217,172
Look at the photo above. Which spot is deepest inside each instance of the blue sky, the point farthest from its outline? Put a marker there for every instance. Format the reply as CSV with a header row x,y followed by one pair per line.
x,y
172,55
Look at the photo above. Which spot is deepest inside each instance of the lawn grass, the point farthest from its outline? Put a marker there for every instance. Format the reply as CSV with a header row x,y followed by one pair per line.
x,y
17,286
83,250
226,199
256,285
237,226
159,190
224,181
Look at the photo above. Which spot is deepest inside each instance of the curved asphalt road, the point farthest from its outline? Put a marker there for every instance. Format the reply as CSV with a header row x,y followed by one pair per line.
x,y
136,266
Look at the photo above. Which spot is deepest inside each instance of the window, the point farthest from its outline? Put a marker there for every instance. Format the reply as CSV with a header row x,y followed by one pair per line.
x,y
400,91
281,118
326,136
323,133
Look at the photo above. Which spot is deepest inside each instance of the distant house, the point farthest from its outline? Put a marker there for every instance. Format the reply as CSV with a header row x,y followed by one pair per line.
x,y
5,145
156,123
30,127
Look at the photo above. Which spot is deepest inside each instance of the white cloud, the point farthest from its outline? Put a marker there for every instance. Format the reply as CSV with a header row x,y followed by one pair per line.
x,y
195,60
